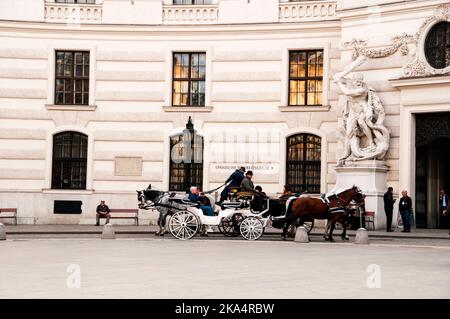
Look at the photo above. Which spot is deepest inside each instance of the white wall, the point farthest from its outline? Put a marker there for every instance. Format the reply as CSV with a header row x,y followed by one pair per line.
x,y
22,10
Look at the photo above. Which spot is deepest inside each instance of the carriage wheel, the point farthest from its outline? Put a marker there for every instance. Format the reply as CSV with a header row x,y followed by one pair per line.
x,y
251,228
230,226
184,225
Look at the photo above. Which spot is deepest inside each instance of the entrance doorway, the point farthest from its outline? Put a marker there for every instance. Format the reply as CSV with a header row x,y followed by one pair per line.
x,y
432,167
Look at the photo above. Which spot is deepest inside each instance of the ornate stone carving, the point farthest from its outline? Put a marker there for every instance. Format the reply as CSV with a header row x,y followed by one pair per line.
x,y
420,67
363,118
398,43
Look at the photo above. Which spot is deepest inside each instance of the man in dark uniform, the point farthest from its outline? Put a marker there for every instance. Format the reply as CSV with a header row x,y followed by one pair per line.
x,y
102,211
443,205
234,180
389,208
405,209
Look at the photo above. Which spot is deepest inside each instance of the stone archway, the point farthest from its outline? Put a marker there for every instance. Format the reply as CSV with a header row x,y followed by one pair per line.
x,y
432,169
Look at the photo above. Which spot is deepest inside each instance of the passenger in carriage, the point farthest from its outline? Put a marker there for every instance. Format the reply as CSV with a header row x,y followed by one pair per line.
x,y
258,189
257,201
196,197
287,192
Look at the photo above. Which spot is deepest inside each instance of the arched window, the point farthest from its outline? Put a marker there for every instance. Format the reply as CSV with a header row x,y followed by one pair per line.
x,y
437,45
69,160
303,163
186,160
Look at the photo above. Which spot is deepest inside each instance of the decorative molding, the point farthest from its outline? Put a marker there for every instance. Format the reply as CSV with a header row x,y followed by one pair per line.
x,y
190,14
73,13
324,108
398,43
53,107
307,11
193,109
420,67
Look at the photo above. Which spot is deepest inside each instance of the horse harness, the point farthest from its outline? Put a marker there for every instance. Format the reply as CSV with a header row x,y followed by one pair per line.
x,y
341,208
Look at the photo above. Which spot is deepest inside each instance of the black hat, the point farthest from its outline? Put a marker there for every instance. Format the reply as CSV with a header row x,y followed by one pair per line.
x,y
249,173
242,168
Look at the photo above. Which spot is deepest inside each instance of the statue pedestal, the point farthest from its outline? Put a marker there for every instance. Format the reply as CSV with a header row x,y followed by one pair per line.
x,y
370,177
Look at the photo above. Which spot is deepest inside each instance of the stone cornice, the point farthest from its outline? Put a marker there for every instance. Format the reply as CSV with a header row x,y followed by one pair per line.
x,y
386,9
420,81
164,30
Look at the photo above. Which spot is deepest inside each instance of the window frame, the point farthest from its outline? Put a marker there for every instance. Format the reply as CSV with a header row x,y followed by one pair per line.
x,y
75,1
192,3
305,162
59,185
189,79
428,47
73,77
306,78
194,144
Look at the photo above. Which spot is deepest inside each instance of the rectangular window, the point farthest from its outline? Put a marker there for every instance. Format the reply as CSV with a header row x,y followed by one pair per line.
x,y
191,2
72,78
76,1
305,78
188,79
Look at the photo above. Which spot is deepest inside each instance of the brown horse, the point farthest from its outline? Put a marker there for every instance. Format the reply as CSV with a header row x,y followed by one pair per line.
x,y
305,208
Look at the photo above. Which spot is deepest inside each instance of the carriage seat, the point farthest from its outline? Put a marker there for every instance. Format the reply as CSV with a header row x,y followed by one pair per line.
x,y
182,201
245,195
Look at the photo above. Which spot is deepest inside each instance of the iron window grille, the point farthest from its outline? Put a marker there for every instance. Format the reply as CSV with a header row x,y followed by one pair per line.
x,y
437,45
69,163
303,164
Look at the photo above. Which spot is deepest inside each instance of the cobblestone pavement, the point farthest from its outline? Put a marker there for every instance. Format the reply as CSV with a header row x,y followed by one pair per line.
x,y
153,267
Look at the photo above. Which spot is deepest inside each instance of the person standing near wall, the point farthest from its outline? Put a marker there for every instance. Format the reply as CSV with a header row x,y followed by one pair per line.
x,y
389,208
405,209
443,203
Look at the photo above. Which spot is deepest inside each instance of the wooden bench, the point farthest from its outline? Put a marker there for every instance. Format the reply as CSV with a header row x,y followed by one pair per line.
x,y
132,214
12,213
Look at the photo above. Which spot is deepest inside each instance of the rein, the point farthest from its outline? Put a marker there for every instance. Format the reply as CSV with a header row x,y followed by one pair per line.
x,y
213,190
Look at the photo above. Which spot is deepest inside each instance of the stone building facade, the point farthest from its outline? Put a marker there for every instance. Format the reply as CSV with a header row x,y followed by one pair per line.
x,y
95,95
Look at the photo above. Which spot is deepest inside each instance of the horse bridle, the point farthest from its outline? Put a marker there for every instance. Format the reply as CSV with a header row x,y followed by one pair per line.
x,y
344,203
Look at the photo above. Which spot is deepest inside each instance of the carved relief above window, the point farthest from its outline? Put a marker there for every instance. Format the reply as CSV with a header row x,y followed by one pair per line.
x,y
432,55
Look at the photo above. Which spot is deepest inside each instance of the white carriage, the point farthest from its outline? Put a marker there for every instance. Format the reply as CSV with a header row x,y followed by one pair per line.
x,y
232,218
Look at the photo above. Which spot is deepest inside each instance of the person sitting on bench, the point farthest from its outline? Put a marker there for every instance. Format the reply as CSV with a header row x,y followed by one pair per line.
x,y
102,212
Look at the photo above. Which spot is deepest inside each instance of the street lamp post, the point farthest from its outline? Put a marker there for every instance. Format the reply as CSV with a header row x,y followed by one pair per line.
x,y
188,140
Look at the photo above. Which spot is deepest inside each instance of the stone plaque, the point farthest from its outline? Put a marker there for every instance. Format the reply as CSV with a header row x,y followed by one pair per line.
x,y
128,166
